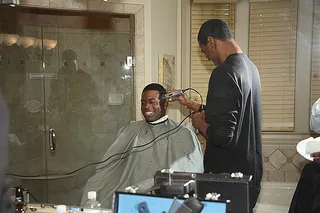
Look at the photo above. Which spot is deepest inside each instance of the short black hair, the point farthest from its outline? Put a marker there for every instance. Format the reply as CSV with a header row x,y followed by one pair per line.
x,y
156,87
216,28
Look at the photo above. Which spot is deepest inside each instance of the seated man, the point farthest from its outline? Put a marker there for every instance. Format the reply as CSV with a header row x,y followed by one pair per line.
x,y
162,144
306,198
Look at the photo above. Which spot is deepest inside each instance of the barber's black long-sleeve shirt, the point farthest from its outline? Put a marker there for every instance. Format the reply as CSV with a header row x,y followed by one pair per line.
x,y
233,112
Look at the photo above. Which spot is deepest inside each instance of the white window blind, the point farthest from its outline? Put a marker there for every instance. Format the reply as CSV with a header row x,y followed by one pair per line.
x,y
272,47
201,67
215,1
315,78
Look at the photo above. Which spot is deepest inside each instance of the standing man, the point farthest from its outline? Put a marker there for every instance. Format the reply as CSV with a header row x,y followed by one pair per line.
x,y
231,120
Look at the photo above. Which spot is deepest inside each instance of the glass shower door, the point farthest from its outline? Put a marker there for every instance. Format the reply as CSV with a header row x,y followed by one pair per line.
x,y
87,102
69,98
21,82
69,91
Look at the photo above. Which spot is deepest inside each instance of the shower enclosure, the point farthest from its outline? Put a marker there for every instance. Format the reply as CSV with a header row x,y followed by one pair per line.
x,y
68,89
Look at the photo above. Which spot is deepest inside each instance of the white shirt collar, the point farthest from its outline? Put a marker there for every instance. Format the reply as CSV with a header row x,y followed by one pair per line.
x,y
159,120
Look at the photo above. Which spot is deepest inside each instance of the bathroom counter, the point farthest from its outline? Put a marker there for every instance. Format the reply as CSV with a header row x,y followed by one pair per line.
x,y
52,209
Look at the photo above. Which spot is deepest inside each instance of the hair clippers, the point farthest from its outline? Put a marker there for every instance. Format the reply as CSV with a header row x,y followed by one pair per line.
x,y
173,94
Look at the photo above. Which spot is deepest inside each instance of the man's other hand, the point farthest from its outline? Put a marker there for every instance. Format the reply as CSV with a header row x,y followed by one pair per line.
x,y
316,157
198,119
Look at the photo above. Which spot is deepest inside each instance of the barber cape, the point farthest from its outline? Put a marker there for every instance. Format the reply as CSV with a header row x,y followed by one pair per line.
x,y
178,149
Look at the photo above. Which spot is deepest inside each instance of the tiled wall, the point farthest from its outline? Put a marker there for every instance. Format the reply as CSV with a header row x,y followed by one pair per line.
x,y
281,163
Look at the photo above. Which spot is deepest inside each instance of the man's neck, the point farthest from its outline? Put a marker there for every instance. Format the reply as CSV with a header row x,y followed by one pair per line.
x,y
231,47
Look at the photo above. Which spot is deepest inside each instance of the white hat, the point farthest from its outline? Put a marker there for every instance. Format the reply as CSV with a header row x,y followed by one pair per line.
x,y
315,117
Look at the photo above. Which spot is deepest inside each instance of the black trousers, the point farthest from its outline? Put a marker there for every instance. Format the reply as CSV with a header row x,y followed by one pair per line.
x,y
306,198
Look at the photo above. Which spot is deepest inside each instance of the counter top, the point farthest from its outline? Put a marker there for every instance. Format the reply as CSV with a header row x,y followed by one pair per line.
x,y
36,208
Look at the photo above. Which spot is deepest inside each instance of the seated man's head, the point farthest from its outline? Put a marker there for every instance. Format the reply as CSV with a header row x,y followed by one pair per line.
x,y
152,107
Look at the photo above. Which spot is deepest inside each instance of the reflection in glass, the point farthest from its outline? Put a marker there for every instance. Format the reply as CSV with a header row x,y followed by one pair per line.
x,y
57,74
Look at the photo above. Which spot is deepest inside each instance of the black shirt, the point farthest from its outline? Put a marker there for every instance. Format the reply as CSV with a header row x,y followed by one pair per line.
x,y
233,112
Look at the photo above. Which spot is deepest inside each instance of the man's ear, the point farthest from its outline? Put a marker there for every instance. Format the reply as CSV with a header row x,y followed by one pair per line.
x,y
166,105
211,43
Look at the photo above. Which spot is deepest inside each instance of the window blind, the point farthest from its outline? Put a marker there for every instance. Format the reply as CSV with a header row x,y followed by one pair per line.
x,y
272,47
215,1
201,67
315,78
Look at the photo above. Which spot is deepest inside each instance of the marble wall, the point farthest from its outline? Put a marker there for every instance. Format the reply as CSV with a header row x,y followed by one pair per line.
x,y
281,161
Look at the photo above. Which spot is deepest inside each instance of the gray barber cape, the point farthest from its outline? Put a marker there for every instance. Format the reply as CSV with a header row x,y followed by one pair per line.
x,y
178,150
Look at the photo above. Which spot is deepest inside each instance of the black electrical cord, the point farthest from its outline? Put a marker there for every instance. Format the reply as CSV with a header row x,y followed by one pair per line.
x,y
35,199
194,91
28,193
129,153
201,104
100,162
122,153
153,188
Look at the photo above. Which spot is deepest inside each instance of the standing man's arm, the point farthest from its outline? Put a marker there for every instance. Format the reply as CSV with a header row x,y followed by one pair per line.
x,y
219,127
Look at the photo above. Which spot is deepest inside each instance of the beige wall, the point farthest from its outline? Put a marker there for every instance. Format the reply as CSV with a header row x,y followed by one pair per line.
x,y
163,39
161,29
160,37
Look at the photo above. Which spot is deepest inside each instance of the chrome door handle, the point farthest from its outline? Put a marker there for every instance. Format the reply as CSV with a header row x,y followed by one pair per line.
x,y
52,140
